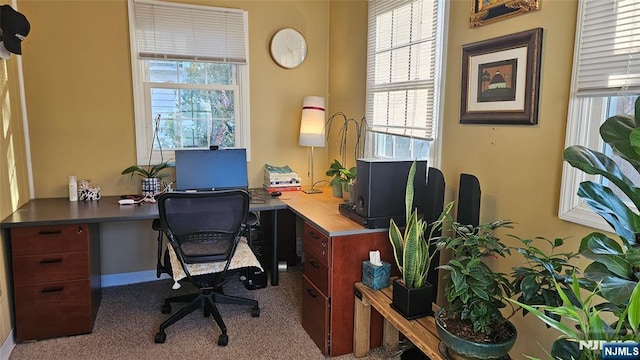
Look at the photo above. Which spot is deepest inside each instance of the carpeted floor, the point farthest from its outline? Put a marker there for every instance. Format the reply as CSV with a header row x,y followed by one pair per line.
x,y
129,317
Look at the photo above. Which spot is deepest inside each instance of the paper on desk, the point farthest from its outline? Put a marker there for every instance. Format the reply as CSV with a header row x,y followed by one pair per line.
x,y
374,258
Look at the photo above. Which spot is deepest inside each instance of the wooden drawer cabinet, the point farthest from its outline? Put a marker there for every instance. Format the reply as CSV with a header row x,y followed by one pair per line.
x,y
333,264
56,279
315,314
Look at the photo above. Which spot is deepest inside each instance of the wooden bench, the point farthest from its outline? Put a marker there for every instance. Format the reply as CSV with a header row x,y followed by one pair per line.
x,y
421,332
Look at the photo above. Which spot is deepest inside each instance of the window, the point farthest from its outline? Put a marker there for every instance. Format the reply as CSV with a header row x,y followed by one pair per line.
x,y
605,82
404,70
190,76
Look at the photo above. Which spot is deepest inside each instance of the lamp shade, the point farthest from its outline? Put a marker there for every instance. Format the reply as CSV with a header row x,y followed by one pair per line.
x,y
312,124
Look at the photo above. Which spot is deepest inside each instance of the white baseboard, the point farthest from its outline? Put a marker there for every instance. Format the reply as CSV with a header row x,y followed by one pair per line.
x,y
7,346
130,278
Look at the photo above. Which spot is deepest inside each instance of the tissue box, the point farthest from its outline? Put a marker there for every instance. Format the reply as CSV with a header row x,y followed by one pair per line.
x,y
376,277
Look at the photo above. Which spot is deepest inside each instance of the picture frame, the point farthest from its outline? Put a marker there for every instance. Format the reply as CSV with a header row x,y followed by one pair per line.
x,y
488,11
501,79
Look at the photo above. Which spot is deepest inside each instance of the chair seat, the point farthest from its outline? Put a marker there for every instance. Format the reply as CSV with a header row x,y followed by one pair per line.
x,y
242,258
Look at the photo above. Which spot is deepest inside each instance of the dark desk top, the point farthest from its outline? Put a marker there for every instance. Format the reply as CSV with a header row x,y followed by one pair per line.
x,y
62,211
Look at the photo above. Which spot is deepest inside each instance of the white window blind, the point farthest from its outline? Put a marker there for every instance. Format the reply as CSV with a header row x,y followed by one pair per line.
x,y
403,58
609,47
190,32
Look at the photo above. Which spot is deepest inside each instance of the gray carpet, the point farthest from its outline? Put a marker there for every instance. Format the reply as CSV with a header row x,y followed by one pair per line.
x,y
129,317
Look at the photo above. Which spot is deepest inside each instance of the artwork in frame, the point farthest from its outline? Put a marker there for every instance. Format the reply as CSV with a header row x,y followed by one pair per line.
x,y
488,11
501,79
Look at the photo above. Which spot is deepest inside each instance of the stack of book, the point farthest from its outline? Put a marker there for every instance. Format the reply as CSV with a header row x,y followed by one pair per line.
x,y
280,178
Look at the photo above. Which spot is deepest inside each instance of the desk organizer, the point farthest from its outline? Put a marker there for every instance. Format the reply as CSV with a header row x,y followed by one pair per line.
x,y
376,277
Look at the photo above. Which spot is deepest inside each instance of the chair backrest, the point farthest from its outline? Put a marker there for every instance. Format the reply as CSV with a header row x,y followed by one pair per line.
x,y
204,226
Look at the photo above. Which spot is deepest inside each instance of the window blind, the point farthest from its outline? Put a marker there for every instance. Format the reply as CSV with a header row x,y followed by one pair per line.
x,y
402,63
190,32
608,47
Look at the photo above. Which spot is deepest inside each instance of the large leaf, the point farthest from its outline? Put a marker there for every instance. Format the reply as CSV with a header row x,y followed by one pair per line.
x,y
595,163
616,131
397,243
633,314
613,288
599,244
411,248
408,196
613,210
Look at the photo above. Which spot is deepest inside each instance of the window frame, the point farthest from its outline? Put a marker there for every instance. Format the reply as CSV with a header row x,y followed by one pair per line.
x,y
587,111
145,154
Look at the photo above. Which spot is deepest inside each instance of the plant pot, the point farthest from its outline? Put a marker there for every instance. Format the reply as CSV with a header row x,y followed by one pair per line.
x,y
412,303
337,189
346,192
150,186
467,349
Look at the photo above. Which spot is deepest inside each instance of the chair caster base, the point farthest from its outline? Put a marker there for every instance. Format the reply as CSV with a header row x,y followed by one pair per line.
x,y
160,337
223,340
166,308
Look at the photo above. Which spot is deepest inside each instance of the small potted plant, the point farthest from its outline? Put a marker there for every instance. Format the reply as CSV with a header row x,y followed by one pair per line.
x,y
412,295
341,178
150,175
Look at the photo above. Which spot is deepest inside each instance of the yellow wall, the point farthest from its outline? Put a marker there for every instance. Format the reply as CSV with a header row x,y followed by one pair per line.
x,y
78,87
14,187
519,167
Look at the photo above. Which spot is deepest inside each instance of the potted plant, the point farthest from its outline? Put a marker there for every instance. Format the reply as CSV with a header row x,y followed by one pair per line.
x,y
150,175
613,273
411,250
341,178
473,324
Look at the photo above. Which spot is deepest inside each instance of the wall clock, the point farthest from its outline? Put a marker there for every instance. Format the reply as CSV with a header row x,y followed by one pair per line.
x,y
288,48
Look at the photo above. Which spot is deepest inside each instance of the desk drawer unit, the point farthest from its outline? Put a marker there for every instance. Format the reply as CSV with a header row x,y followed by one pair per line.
x,y
56,288
333,264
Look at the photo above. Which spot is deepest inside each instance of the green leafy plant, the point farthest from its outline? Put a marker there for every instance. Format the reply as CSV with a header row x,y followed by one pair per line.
x,y
340,174
589,321
151,171
535,281
411,249
475,292
615,270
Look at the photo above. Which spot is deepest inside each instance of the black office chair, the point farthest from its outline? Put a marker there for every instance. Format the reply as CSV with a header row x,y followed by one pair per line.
x,y
204,228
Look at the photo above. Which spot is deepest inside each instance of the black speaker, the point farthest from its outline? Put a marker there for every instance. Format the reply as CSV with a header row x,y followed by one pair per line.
x,y
380,189
469,200
433,208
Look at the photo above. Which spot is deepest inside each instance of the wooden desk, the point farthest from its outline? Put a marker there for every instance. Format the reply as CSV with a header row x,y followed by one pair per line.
x,y
422,331
334,248
54,248
61,211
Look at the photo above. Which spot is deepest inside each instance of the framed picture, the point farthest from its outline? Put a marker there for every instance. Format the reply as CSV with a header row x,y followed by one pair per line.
x,y
488,11
501,79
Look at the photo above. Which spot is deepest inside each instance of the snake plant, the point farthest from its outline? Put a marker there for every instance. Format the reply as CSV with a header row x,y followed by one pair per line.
x,y
411,249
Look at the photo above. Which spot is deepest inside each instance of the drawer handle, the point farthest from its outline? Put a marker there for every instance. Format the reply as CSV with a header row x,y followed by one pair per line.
x,y
314,264
313,235
51,261
49,232
52,289
312,293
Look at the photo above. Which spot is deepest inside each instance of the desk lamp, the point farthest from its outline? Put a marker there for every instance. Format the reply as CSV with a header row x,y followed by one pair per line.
x,y
312,130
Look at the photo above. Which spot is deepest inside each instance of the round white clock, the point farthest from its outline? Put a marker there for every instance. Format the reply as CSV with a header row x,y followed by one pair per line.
x,y
288,48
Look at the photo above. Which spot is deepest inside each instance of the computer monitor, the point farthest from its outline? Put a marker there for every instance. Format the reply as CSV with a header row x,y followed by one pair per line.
x,y
206,170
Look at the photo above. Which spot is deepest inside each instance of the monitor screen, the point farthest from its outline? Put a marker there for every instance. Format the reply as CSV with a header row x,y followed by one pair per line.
x,y
205,170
